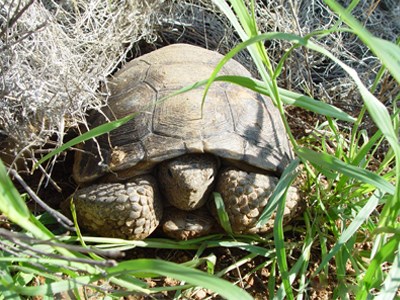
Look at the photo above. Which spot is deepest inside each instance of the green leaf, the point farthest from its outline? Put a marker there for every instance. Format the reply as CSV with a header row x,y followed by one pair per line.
x,y
95,132
266,36
380,257
6,281
289,98
281,188
388,52
53,288
329,162
279,241
14,207
391,285
351,230
140,267
11,203
222,214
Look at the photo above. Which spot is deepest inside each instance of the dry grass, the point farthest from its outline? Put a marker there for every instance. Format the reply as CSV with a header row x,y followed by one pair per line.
x,y
54,57
199,22
314,74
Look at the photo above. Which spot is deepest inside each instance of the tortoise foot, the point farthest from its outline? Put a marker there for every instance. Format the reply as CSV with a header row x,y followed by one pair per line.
x,y
129,210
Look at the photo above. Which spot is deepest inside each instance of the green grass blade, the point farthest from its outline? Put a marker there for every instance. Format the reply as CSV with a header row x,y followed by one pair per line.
x,y
222,214
6,281
329,162
289,98
11,203
387,52
370,280
262,37
299,266
14,207
53,288
361,217
280,190
279,241
391,285
225,8
245,246
319,107
95,132
107,127
172,270
378,111
242,18
366,148
271,285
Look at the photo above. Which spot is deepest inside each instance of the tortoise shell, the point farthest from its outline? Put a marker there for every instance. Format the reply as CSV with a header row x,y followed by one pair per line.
x,y
235,124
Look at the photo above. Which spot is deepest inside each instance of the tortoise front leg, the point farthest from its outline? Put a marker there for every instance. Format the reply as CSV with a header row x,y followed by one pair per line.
x,y
130,210
245,196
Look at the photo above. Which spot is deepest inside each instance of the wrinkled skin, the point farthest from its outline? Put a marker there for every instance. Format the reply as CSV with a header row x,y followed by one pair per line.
x,y
186,182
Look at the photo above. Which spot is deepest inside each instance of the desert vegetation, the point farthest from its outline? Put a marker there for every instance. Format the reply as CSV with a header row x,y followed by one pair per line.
x,y
331,68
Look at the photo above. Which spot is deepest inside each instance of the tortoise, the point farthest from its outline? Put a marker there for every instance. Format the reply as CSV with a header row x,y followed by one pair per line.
x,y
176,152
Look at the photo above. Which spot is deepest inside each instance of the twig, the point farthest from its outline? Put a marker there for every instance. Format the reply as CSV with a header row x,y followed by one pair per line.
x,y
63,220
23,240
16,16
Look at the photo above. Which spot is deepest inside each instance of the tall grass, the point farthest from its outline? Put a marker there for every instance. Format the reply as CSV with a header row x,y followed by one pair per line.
x,y
350,204
346,172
